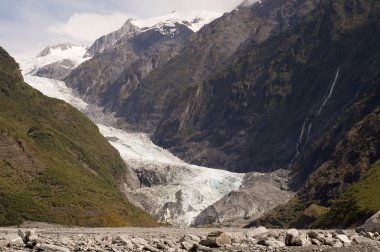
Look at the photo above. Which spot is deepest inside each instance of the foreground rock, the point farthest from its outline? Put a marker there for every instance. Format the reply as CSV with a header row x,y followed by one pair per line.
x,y
181,240
216,239
373,223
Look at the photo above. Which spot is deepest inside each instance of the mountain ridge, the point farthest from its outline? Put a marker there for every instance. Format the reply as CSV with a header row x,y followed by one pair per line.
x,y
50,169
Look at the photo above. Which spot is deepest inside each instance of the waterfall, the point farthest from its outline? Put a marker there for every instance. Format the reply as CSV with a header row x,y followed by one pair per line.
x,y
330,92
300,145
302,139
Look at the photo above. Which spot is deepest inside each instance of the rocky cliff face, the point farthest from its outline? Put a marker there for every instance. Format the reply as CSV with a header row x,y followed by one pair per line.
x,y
338,141
177,81
105,42
111,76
274,98
125,57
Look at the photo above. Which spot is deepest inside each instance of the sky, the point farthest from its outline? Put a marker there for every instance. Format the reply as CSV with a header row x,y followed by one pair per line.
x,y
28,26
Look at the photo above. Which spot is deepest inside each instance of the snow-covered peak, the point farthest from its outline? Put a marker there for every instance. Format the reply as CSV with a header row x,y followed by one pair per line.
x,y
194,19
248,3
48,50
53,54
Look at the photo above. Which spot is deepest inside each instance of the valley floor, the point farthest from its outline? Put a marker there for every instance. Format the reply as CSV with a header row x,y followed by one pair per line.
x,y
44,237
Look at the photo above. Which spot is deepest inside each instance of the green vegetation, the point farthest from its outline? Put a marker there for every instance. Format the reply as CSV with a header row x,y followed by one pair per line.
x,y
55,166
358,203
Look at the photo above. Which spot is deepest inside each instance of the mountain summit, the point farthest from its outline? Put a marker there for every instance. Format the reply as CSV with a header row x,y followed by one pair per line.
x,y
167,25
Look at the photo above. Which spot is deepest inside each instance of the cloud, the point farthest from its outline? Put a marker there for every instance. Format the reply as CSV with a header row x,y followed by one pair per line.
x,y
87,27
28,26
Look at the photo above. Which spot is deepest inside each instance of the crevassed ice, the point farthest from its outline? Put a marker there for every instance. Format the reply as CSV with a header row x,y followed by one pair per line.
x,y
192,188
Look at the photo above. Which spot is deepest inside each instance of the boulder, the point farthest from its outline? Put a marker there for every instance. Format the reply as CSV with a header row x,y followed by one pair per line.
x,y
187,245
316,242
216,239
52,248
190,237
151,248
344,239
16,242
237,237
22,235
341,231
257,232
373,223
138,241
338,244
271,242
312,234
329,241
293,238
199,247
3,243
364,240
370,235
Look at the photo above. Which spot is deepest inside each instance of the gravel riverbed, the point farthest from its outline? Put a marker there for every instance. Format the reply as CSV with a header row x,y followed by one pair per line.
x,y
37,237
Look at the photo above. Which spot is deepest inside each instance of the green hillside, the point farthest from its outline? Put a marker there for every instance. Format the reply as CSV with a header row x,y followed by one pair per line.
x,y
55,166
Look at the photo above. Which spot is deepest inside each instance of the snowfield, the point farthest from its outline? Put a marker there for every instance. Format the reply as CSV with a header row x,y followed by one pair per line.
x,y
194,19
56,54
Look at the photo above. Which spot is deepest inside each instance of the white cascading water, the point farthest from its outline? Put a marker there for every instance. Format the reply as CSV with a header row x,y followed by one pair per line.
x,y
301,144
330,92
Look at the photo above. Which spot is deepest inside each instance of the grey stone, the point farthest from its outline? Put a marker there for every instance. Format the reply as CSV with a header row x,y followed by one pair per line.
x,y
293,238
370,235
316,242
216,239
271,242
252,240
162,246
199,247
257,232
21,234
52,248
312,234
342,232
16,242
189,237
187,245
373,223
343,238
329,241
338,244
3,242
138,241
237,236
365,240
151,248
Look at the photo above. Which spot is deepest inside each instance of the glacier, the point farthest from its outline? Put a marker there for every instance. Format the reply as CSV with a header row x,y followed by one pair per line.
x,y
183,190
